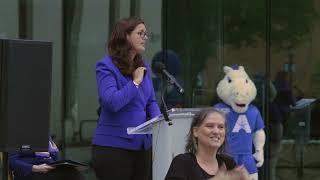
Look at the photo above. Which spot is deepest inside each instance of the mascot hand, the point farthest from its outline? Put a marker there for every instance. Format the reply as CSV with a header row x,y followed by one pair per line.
x,y
258,156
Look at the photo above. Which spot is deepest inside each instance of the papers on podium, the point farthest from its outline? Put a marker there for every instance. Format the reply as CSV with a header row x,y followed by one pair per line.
x,y
144,128
69,163
302,103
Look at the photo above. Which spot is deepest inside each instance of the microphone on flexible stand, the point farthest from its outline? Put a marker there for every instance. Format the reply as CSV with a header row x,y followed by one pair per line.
x,y
160,68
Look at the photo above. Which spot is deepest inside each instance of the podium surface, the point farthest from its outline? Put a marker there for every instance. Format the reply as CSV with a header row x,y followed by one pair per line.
x,y
167,140
300,115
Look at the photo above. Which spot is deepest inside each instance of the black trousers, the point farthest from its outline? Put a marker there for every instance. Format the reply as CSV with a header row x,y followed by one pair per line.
x,y
121,164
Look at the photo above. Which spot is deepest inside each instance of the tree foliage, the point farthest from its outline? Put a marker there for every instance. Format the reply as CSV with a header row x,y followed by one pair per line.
x,y
194,28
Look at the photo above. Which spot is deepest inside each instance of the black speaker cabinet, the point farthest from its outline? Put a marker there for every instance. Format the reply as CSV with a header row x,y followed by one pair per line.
x,y
25,80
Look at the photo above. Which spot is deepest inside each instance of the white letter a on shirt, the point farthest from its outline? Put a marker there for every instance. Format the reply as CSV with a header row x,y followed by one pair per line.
x,y
242,123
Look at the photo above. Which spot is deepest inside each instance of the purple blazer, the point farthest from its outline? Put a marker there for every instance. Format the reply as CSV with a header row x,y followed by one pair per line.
x,y
123,105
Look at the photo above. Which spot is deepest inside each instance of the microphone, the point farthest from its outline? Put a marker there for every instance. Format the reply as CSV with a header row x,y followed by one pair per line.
x,y
160,68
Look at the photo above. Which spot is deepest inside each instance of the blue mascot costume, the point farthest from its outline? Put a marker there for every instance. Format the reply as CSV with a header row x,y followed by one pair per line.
x,y
244,121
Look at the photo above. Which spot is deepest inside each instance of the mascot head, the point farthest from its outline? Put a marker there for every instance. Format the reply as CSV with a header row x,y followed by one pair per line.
x,y
236,89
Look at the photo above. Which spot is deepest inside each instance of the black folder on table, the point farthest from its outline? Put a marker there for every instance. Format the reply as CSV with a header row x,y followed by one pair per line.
x,y
69,163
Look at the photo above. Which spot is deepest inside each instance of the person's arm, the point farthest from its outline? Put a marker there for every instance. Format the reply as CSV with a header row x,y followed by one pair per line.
x,y
273,91
18,165
259,140
23,168
42,168
112,97
152,104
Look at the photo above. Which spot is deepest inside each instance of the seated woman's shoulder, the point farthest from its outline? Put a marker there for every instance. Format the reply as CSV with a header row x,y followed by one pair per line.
x,y
185,156
227,160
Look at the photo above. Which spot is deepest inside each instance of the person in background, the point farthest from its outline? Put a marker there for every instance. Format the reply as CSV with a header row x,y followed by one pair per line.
x,y
279,113
28,165
172,63
127,99
204,157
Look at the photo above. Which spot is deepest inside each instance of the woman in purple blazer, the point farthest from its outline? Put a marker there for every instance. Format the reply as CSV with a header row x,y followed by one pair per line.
x,y
127,99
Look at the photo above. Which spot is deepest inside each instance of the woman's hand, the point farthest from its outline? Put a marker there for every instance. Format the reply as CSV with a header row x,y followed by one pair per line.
x,y
137,75
241,172
238,173
42,168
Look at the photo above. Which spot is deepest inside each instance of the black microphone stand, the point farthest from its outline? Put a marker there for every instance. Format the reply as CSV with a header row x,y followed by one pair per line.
x,y
164,107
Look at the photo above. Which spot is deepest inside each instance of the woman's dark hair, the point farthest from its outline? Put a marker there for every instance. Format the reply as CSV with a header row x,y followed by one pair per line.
x,y
192,142
119,47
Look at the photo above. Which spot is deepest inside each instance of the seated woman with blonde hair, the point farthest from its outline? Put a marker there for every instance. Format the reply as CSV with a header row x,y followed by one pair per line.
x,y
204,158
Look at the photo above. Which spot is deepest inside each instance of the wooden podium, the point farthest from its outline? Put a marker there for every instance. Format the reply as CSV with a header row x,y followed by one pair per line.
x,y
167,140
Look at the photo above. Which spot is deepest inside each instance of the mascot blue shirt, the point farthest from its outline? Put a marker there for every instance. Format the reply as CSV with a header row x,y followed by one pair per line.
x,y
241,127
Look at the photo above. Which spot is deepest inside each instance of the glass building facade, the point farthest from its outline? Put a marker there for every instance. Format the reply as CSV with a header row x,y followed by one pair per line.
x,y
269,38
